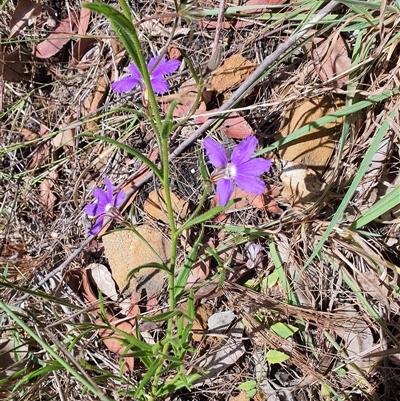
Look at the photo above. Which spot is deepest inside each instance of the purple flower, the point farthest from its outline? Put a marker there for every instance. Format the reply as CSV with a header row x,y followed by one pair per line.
x,y
242,169
158,82
106,201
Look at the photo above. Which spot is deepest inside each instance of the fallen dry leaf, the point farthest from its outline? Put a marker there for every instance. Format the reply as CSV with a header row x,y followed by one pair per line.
x,y
13,359
86,52
93,101
56,40
242,24
28,134
230,348
203,313
12,65
357,340
25,11
235,23
235,126
231,73
41,154
331,58
155,206
78,281
101,276
84,18
65,137
112,340
187,97
315,148
198,273
46,195
258,201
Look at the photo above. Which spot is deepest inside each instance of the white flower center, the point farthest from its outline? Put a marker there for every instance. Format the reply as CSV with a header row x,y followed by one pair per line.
x,y
230,171
108,207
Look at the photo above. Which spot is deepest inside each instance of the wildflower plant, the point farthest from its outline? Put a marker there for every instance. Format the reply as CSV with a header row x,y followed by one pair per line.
x,y
241,170
165,355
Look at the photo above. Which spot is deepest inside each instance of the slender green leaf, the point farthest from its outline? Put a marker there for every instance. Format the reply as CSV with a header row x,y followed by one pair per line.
x,y
388,202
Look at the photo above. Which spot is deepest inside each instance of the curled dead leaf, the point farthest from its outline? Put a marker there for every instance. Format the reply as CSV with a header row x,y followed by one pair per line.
x,y
56,40
314,148
331,58
112,340
231,73
24,12
86,53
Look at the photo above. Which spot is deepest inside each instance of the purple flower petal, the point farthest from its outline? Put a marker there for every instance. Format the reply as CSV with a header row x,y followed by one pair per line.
x,y
91,210
110,190
216,153
135,73
97,226
119,198
125,84
255,166
250,184
151,63
166,67
224,191
102,200
244,150
159,84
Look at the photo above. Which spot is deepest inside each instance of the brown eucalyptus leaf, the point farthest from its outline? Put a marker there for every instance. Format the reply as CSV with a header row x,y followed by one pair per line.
x,y
12,65
24,11
231,73
331,58
84,19
46,194
155,206
315,148
56,40
112,340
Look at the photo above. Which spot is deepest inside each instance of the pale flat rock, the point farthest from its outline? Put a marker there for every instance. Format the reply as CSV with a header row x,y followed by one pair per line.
x,y
126,251
301,185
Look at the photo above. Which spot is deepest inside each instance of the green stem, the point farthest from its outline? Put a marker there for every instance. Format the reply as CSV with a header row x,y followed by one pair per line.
x,y
125,9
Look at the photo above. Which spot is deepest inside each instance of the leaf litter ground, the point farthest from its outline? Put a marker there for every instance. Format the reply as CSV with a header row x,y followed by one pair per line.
x,y
332,321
